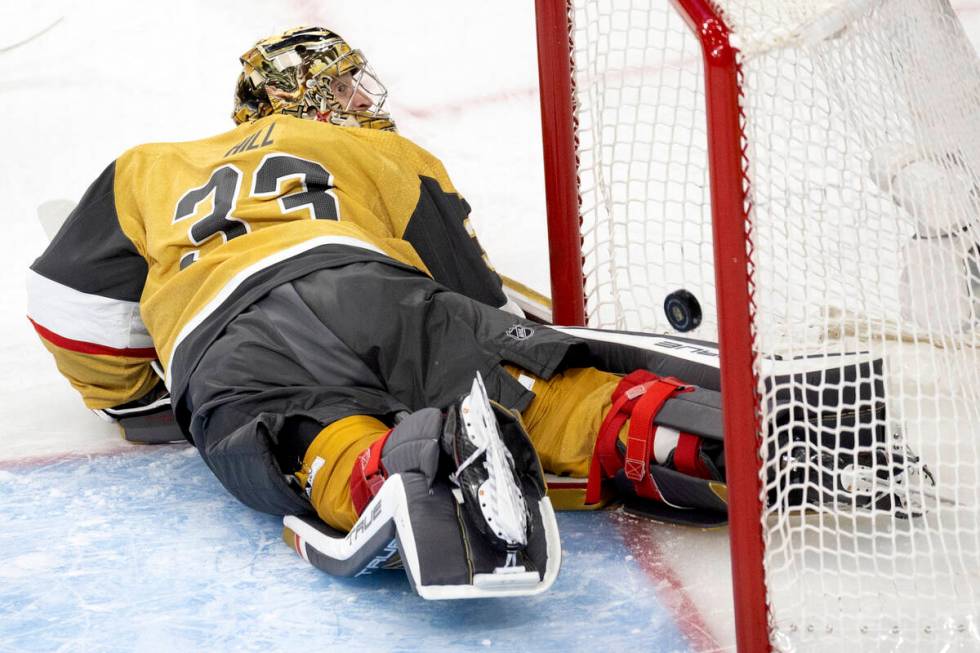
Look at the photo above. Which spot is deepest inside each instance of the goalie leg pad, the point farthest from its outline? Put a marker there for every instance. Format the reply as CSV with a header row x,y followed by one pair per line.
x,y
685,500
440,548
660,472
476,525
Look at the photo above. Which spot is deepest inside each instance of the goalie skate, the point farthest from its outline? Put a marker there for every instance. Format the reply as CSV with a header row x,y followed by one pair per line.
x,y
486,479
886,478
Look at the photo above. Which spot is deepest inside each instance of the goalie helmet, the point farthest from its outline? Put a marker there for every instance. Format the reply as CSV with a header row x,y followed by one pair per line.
x,y
310,72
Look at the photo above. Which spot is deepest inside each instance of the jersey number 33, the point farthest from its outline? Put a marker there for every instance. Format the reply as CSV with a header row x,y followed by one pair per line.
x,y
314,193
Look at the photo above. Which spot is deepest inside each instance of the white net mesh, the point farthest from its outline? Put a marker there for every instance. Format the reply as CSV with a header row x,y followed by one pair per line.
x,y
863,163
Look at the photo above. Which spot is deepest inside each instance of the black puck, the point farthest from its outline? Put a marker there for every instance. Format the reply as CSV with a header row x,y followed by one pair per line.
x,y
683,310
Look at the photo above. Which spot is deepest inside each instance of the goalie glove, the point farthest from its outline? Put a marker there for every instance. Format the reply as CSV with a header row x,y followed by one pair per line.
x,y
147,420
480,529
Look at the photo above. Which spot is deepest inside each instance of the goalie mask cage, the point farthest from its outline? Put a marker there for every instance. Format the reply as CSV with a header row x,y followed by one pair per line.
x,y
808,171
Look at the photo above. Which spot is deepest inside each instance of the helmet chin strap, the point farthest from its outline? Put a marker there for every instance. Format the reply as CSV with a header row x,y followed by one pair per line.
x,y
342,119
337,118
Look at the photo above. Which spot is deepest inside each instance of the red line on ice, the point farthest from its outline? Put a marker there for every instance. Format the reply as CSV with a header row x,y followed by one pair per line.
x,y
648,553
73,456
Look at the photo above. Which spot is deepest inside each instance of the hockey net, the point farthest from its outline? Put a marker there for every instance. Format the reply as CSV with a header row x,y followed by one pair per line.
x,y
853,182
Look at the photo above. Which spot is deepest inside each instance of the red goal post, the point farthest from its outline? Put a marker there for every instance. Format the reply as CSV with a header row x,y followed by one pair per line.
x,y
731,241
809,172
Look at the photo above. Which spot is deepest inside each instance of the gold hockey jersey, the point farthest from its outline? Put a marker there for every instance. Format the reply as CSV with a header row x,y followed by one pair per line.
x,y
171,232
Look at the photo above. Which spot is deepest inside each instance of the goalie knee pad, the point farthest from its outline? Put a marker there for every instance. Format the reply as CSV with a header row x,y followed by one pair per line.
x,y
458,499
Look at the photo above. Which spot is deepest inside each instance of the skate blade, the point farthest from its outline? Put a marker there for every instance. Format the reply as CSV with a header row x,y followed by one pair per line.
x,y
507,578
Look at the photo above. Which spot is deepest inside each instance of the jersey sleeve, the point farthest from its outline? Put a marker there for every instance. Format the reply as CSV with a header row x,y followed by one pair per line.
x,y
440,231
83,300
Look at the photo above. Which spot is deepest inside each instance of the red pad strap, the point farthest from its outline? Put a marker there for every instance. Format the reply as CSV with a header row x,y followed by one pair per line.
x,y
368,475
631,380
606,459
639,443
647,488
687,457
638,397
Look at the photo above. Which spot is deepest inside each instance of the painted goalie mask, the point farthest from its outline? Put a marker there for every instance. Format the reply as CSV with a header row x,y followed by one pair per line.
x,y
310,72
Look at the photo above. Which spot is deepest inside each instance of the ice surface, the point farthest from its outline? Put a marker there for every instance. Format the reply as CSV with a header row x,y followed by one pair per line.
x,y
143,549
108,546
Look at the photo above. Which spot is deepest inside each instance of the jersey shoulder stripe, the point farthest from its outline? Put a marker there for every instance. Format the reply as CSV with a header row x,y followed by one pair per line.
x,y
110,324
83,347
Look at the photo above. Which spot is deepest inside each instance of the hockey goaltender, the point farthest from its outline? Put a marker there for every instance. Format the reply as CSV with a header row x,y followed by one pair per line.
x,y
304,300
